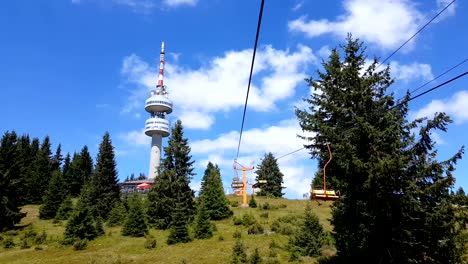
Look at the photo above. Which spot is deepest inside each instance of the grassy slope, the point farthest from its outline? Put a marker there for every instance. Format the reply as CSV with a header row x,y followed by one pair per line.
x,y
114,248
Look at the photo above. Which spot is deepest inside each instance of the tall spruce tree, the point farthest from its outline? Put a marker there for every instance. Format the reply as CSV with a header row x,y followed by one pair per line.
x,y
104,181
66,174
82,224
212,194
81,169
56,161
42,171
10,181
172,183
268,170
395,204
25,158
54,196
135,223
161,201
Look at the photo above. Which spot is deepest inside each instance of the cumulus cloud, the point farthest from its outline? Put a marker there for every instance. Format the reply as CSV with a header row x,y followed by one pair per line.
x,y
196,120
455,106
386,23
219,85
135,138
279,139
450,11
413,71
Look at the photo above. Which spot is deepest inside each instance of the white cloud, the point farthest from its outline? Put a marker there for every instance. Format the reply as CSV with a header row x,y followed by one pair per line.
x,y
298,5
450,11
387,23
196,120
220,84
174,3
324,52
135,138
456,107
413,71
279,139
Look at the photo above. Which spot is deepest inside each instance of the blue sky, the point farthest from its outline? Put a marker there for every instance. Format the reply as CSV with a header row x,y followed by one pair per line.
x,y
73,69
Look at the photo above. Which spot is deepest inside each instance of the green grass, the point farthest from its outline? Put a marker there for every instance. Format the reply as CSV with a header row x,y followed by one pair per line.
x,y
115,248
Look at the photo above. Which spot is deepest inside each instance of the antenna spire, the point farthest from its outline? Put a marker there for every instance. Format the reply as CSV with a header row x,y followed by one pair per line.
x,y
161,68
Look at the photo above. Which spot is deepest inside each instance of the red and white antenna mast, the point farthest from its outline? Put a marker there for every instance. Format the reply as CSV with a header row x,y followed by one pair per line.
x,y
160,87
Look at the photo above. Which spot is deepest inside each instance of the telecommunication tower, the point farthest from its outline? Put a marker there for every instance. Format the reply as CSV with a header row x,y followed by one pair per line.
x,y
157,126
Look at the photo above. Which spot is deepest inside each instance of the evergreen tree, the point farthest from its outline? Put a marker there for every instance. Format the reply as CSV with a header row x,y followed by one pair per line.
x,y
104,180
161,200
53,196
255,258
203,228
82,224
65,209
394,205
9,182
212,194
42,171
178,232
25,158
268,170
252,202
239,254
135,223
66,173
308,239
172,183
56,161
117,215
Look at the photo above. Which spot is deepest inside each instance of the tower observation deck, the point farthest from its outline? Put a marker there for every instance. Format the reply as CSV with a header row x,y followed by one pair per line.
x,y
157,126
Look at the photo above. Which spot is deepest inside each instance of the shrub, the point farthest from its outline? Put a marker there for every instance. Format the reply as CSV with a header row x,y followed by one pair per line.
x,y
237,234
8,243
255,258
150,242
255,229
234,204
252,202
238,253
248,219
220,238
80,244
24,243
237,220
40,238
264,215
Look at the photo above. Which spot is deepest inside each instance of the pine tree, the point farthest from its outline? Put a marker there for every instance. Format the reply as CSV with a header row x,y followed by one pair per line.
x,y
172,183
65,209
135,223
42,171
117,215
161,201
104,180
53,196
82,224
9,182
203,228
25,157
268,170
177,158
212,194
66,173
56,161
308,239
81,169
178,232
394,205
255,258
239,254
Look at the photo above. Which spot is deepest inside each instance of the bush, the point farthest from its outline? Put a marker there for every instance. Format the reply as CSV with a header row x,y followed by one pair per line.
x,y
150,242
252,202
237,220
8,243
238,253
24,243
255,258
255,229
237,234
248,219
40,238
234,204
80,244
286,225
264,215
220,238
308,240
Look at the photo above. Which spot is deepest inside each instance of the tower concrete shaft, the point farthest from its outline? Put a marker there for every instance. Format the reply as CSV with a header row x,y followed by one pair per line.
x,y
155,157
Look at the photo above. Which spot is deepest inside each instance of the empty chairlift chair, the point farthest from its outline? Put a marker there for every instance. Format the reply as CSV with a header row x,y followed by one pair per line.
x,y
324,194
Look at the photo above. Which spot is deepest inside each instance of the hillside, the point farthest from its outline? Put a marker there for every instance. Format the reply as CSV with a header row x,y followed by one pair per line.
x,y
114,248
